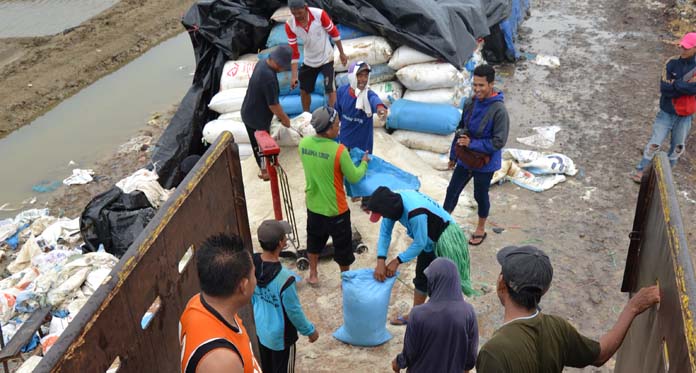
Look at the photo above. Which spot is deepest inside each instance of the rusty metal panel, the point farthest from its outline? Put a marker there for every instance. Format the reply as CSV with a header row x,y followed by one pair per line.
x,y
661,339
210,200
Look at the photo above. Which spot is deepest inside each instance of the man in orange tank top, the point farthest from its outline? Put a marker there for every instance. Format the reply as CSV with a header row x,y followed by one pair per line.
x,y
211,334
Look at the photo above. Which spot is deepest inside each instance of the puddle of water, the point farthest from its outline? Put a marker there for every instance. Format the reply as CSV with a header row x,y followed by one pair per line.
x,y
90,125
20,18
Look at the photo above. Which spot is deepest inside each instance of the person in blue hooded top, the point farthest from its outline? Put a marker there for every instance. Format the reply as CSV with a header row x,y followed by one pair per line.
x,y
442,334
481,134
356,103
433,231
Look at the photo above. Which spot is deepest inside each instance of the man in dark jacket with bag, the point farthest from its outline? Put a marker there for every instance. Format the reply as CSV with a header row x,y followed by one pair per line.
x,y
677,105
476,149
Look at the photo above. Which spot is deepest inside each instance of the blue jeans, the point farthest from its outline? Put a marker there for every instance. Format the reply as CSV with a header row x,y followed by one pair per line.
x,y
664,125
461,177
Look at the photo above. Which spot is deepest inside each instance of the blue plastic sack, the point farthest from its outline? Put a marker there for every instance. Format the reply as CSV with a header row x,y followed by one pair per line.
x,y
440,119
278,36
379,73
32,344
284,80
379,173
348,32
292,104
365,305
264,54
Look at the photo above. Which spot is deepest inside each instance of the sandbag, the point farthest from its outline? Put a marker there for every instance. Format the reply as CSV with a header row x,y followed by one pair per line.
x,y
292,105
236,74
374,50
437,161
365,305
423,141
405,55
421,117
245,151
300,126
285,79
228,100
431,75
449,96
281,15
278,36
348,33
378,74
235,115
214,128
387,90
379,173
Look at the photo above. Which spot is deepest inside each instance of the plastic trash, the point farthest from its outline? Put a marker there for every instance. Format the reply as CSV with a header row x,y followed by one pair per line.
x,y
439,119
29,250
510,171
46,186
431,75
405,55
136,144
544,137
145,181
79,177
29,216
365,305
7,229
548,61
380,173
63,230
540,163
374,50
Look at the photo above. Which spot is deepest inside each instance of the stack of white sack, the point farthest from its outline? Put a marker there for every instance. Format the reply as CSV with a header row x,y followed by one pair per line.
x,y
434,82
230,122
374,50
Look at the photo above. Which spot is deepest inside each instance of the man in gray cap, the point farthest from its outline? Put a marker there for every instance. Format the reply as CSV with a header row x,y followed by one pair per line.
x,y
530,341
325,164
261,100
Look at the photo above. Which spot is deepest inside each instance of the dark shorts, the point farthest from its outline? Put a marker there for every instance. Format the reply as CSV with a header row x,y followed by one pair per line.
x,y
320,228
422,262
308,77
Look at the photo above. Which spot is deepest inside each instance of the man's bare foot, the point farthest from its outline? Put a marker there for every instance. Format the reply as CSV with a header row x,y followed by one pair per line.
x,y
263,175
637,177
313,279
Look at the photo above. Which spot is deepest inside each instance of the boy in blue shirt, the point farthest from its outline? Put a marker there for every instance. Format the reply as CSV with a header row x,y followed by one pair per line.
x,y
277,310
355,104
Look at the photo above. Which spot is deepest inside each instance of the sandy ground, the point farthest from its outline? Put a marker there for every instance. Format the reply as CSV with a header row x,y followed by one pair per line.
x,y
604,96
38,73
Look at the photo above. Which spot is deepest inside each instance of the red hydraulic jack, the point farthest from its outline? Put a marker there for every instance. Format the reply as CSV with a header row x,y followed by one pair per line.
x,y
280,189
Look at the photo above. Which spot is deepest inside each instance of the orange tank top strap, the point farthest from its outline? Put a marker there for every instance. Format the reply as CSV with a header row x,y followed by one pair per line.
x,y
202,329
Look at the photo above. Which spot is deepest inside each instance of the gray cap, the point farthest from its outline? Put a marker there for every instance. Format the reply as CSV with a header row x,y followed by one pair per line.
x,y
294,4
323,118
282,55
525,267
270,232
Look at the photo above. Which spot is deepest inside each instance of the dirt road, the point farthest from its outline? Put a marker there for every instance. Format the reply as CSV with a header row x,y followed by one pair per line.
x,y
38,73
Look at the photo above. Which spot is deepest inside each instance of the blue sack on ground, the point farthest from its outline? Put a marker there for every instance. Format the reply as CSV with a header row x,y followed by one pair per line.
x,y
440,119
278,36
379,173
292,104
284,80
348,32
365,305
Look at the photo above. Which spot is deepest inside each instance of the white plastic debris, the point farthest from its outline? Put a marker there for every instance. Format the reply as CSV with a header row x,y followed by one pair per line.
x,y
544,137
79,177
540,163
146,181
135,144
548,61
510,171
65,230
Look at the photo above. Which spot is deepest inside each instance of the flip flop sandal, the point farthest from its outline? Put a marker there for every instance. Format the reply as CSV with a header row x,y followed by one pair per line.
x,y
400,320
482,237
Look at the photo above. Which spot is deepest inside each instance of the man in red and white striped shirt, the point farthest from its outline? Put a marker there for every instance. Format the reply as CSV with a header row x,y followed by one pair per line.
x,y
314,27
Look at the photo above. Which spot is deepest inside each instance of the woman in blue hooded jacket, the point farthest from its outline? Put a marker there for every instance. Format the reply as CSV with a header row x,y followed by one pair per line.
x,y
484,129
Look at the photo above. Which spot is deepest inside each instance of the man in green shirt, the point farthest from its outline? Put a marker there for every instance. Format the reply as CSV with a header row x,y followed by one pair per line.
x,y
532,342
325,164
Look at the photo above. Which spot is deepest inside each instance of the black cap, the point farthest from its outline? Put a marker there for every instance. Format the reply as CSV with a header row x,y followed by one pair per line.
x,y
270,232
525,267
